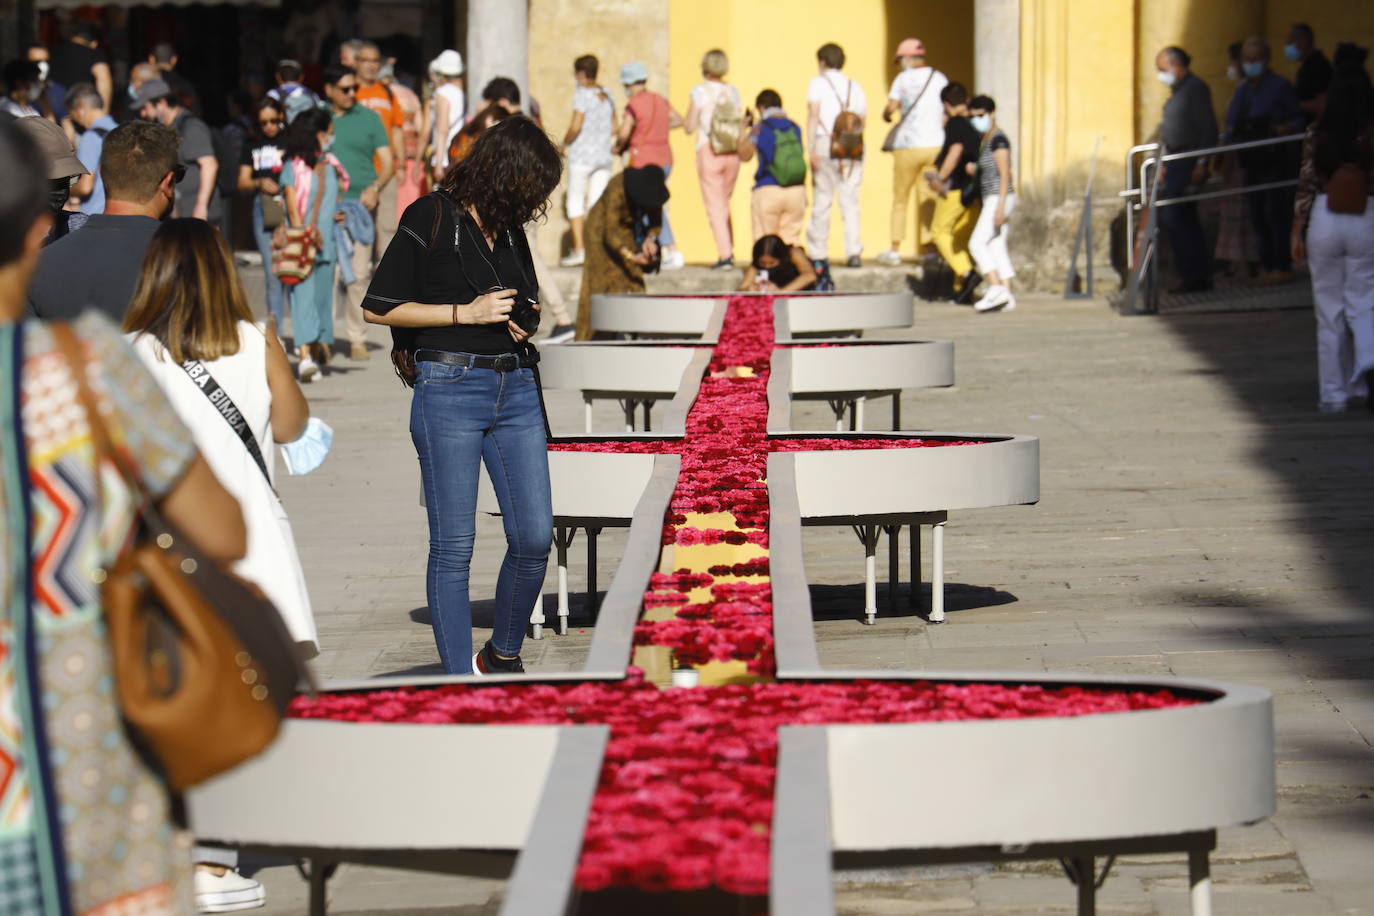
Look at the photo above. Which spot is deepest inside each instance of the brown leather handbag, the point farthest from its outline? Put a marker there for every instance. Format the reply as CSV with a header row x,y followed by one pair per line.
x,y
204,665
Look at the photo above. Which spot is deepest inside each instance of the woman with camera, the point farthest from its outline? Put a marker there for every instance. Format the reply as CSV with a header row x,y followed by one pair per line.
x,y
457,287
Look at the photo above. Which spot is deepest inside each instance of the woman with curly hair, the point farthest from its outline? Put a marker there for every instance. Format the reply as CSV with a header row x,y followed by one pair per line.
x,y
457,287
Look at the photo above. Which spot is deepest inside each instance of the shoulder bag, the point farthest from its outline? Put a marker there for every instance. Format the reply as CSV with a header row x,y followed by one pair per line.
x,y
726,120
204,665
890,141
294,248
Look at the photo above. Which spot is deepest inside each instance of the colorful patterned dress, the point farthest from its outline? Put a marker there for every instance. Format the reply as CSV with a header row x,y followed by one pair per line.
x,y
85,826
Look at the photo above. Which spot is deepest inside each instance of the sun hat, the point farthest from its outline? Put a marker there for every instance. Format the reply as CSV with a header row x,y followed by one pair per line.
x,y
632,73
53,144
448,63
911,47
647,186
151,91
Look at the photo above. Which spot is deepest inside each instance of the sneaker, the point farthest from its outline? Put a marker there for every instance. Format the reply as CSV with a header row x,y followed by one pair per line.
x,y
890,259
854,261
227,892
969,284
358,351
307,370
574,259
672,260
1332,406
995,298
486,662
560,333
724,264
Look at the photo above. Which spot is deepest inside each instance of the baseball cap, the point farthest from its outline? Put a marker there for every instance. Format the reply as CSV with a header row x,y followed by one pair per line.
x,y
151,91
448,63
53,144
911,47
633,73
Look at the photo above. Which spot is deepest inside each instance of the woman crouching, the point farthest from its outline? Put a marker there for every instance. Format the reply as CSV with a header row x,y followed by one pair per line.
x,y
457,287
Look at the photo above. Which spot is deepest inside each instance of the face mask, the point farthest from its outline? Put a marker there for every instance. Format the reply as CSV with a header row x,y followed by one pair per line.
x,y
327,145
43,71
1233,73
981,123
35,92
1166,77
1253,68
58,191
1291,52
309,451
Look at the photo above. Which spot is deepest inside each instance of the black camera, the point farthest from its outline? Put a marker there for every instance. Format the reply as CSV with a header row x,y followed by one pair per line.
x,y
525,313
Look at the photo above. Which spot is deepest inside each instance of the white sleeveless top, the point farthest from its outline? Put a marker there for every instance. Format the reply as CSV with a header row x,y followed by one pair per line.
x,y
271,562
457,118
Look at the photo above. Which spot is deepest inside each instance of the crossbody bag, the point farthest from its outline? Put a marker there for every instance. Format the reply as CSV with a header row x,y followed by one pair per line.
x,y
890,142
224,405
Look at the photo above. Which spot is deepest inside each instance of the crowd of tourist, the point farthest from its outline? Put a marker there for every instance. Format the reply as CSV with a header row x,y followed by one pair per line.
x,y
1295,188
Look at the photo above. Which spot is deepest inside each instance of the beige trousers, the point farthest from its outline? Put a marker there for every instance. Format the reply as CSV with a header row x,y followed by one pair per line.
x,y
779,211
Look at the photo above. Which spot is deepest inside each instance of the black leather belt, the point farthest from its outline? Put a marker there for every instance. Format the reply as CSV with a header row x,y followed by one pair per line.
x,y
504,362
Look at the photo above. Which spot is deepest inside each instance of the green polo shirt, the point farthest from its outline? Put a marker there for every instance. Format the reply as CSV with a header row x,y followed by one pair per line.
x,y
358,134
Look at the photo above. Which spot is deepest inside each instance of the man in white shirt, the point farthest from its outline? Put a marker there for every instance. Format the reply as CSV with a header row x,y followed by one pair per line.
x,y
916,143
829,94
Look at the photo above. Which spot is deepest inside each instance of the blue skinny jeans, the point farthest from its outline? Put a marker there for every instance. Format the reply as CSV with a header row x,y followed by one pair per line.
x,y
461,416
275,295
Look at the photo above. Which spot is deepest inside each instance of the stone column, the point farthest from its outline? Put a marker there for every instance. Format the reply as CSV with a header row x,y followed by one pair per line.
x,y
997,61
498,45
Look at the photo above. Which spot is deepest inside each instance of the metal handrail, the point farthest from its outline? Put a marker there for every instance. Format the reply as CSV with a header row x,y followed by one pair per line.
x,y
1134,194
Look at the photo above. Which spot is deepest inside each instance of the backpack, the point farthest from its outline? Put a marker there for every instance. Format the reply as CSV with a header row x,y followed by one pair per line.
x,y
726,120
788,166
847,133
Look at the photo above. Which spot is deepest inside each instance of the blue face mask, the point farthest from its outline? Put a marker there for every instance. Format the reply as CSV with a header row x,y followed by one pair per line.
x,y
1252,68
981,123
309,451
1291,52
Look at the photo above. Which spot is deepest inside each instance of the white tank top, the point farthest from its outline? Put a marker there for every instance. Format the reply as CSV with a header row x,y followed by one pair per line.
x,y
457,115
271,561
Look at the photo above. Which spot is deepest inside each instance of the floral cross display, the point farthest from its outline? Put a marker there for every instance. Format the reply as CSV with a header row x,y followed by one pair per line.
x,y
685,797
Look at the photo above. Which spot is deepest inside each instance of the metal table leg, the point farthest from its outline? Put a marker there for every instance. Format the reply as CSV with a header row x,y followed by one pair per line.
x,y
562,540
937,575
868,536
859,404
629,405
1199,882
586,413
914,556
896,410
648,406
894,544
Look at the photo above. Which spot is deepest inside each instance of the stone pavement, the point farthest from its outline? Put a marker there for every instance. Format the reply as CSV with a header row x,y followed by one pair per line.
x,y
1198,518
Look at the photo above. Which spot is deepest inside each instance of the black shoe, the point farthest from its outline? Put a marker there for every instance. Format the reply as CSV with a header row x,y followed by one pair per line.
x,y
724,264
488,662
970,283
854,262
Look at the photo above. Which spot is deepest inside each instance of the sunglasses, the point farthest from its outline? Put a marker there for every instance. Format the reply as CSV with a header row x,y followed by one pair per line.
x,y
347,90
270,122
178,172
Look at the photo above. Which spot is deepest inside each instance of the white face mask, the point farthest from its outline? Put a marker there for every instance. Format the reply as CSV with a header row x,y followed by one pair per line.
x,y
43,71
981,123
1233,73
1166,77
35,92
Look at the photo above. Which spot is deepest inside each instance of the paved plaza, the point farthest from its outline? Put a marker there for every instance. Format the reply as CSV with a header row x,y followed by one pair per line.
x,y
1198,518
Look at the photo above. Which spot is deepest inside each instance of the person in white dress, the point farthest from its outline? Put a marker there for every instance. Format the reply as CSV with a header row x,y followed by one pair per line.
x,y
231,384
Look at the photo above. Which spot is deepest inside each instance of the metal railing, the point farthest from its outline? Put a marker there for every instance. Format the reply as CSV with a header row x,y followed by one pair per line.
x,y
1143,203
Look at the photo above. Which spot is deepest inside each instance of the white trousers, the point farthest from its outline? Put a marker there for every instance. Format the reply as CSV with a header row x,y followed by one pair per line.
x,y
842,179
989,245
585,185
1340,254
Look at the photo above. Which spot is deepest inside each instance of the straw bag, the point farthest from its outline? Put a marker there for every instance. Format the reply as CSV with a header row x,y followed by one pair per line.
x,y
204,666
294,249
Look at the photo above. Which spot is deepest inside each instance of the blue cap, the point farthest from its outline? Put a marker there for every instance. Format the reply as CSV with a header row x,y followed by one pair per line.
x,y
632,73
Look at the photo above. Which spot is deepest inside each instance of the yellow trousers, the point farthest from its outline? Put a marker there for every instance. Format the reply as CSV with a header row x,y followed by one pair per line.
x,y
951,227
908,167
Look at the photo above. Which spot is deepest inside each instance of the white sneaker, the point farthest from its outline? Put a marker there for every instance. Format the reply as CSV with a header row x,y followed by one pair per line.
x,y
307,370
890,258
995,298
673,260
228,892
576,259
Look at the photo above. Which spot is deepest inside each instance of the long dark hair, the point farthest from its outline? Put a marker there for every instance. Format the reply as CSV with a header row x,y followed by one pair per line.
x,y
507,176
301,141
267,103
1342,133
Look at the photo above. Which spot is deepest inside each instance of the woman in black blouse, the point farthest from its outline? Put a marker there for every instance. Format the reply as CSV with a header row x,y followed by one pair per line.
x,y
457,288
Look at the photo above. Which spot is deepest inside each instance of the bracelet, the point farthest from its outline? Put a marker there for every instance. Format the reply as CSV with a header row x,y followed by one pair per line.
x,y
454,315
